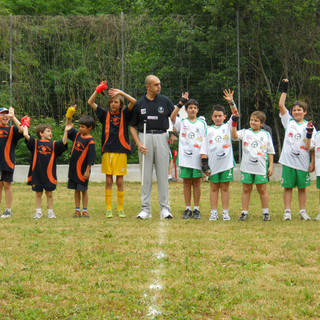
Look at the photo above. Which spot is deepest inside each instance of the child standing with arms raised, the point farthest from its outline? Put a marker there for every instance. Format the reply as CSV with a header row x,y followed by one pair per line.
x,y
257,161
192,132
115,142
295,155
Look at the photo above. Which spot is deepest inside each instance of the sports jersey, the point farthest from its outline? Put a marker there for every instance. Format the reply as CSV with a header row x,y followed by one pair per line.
x,y
155,111
315,144
42,171
83,153
9,136
294,152
255,149
218,147
115,136
190,139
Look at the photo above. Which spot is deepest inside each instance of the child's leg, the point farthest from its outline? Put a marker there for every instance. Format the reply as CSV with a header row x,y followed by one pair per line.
x,y
85,199
8,193
120,192
1,187
38,196
302,198
246,192
264,196
108,191
49,196
214,195
287,197
224,186
196,184
187,183
77,198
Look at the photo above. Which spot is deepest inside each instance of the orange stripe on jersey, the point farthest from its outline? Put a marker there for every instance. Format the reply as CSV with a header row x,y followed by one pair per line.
x,y
106,131
7,149
50,167
121,134
80,161
35,152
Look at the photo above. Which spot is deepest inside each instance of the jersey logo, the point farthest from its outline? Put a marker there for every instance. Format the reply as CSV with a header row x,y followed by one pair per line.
x,y
218,138
3,133
297,136
161,109
254,144
191,135
43,149
115,121
79,146
188,152
143,111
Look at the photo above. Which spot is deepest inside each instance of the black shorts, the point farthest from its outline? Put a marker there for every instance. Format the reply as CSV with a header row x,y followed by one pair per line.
x,y
41,188
6,176
77,186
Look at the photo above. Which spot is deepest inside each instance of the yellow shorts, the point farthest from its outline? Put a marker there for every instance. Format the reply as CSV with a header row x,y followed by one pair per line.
x,y
114,163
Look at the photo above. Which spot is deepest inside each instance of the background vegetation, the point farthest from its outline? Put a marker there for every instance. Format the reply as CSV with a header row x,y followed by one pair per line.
x,y
62,49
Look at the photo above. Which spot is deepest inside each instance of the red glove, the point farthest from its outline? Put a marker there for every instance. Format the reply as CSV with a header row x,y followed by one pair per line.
x,y
25,121
101,87
309,130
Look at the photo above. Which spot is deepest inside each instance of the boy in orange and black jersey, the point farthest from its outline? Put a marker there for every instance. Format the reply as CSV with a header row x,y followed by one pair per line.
x,y
83,155
42,172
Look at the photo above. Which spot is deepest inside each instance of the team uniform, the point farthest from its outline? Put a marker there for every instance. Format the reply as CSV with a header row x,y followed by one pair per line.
x,y
42,172
218,147
255,149
295,157
83,153
190,140
315,144
9,137
156,112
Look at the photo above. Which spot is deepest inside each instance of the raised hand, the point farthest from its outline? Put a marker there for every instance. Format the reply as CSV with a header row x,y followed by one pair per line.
x,y
114,92
284,85
228,95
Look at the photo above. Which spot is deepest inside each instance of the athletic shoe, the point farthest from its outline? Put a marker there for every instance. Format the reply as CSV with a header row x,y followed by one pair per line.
x,y
51,215
287,215
165,214
187,214
173,180
6,214
121,214
243,217
196,214
77,214
109,214
37,215
266,217
144,215
304,216
214,216
225,216
85,214
317,218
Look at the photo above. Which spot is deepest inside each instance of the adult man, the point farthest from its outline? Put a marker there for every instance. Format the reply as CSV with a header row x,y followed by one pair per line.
x,y
155,109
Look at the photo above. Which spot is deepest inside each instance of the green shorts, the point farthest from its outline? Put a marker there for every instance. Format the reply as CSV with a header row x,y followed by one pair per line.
x,y
318,182
187,173
249,178
294,178
224,176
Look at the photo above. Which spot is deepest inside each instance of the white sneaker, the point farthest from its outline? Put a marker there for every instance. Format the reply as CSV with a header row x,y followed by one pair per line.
x,y
225,216
304,216
51,215
144,215
214,216
317,218
165,214
287,215
37,215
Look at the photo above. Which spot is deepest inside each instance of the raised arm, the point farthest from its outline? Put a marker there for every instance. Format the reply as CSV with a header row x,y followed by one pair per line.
x,y
284,89
114,92
26,133
228,95
182,101
234,133
100,88
15,120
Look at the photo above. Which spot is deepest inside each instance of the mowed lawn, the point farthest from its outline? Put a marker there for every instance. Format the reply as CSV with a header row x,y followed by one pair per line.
x,y
116,268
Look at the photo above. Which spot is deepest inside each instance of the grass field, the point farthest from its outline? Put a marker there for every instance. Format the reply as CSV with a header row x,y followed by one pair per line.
x,y
116,268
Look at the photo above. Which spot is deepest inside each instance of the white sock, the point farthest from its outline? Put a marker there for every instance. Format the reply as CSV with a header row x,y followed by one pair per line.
x,y
38,210
196,208
50,211
188,207
265,210
169,176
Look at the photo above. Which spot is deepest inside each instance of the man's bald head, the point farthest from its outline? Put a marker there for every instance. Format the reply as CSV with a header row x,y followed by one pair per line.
x,y
153,86
151,78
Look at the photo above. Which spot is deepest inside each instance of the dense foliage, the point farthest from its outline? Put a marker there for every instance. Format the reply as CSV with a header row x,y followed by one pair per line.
x,y
190,45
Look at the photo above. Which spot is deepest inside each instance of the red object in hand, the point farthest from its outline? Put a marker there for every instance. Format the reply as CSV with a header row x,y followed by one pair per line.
x,y
175,154
25,121
101,87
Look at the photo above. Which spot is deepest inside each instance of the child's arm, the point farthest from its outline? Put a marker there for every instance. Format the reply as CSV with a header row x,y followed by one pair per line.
x,y
114,92
65,134
309,134
184,98
228,95
86,174
270,169
204,165
100,88
234,133
26,133
70,113
284,89
15,120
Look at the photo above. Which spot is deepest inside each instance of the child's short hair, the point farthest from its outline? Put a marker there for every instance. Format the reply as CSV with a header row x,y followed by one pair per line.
x,y
87,121
300,104
40,129
191,101
218,107
260,115
116,97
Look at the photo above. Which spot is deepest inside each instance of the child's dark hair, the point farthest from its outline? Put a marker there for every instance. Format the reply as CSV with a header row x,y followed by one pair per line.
x,y
300,104
218,107
191,101
87,121
260,115
116,97
40,129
